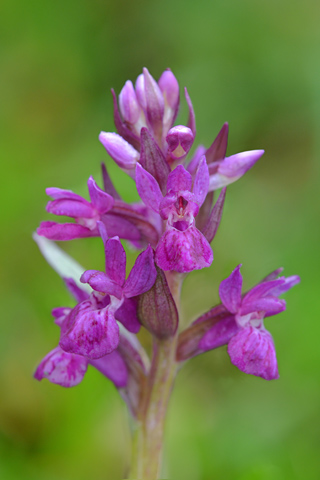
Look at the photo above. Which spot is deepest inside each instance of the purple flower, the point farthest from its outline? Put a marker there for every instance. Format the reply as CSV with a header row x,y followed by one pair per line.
x,y
250,345
90,329
86,214
182,247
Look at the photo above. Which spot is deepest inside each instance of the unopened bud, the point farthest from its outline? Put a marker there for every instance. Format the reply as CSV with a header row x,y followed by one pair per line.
x,y
121,151
180,140
128,103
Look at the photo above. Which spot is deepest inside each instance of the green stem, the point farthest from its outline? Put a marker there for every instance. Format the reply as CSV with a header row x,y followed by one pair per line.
x,y
148,436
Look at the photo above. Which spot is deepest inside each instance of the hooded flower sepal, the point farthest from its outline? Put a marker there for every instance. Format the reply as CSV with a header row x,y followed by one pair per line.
x,y
182,247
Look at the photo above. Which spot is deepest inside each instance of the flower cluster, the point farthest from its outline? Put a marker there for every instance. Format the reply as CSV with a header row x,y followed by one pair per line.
x,y
173,226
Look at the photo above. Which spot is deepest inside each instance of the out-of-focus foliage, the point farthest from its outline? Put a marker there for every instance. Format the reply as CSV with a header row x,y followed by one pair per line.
x,y
254,64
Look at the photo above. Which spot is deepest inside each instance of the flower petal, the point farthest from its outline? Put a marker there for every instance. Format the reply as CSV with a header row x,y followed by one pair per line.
x,y
192,118
262,289
107,183
201,182
127,315
289,282
211,227
101,200
269,305
142,275
71,208
153,160
100,282
218,149
121,127
253,352
183,251
237,165
92,333
230,290
115,260
154,103
119,149
62,368
220,334
179,180
113,367
60,193
148,188
64,231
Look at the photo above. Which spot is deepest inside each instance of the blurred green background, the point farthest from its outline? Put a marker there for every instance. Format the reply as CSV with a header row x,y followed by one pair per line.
x,y
254,64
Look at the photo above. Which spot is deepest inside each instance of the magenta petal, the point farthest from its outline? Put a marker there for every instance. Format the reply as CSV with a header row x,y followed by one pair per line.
x,y
101,200
64,231
71,208
211,227
122,129
253,352
288,283
59,193
273,275
269,305
220,334
127,315
128,103
169,87
115,261
92,333
262,289
119,149
218,149
193,165
116,225
107,183
62,368
183,251
192,118
154,102
142,275
100,282
153,160
75,291
148,188
179,180
201,181
113,367
230,291
237,165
